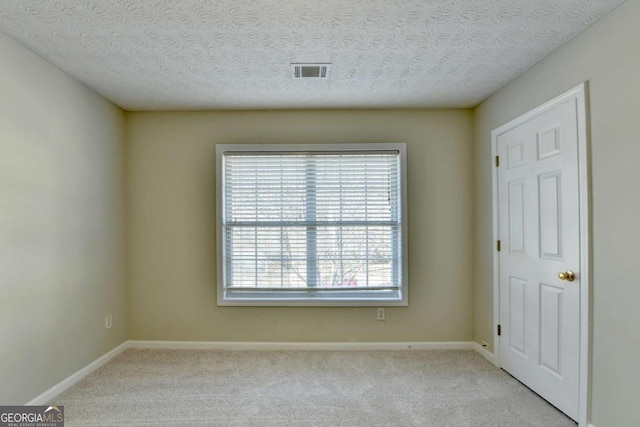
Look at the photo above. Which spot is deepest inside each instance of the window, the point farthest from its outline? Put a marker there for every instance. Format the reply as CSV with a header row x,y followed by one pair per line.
x,y
311,224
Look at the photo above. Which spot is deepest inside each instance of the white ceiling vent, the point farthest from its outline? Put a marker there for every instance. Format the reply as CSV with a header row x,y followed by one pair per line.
x,y
303,71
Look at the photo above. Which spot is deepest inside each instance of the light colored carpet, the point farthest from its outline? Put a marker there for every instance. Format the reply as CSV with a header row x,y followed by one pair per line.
x,y
300,388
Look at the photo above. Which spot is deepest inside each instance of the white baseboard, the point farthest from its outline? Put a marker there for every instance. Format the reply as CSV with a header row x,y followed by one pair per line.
x,y
486,353
309,346
51,393
77,376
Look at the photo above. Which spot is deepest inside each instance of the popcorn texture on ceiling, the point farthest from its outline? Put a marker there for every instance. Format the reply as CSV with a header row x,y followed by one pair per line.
x,y
236,54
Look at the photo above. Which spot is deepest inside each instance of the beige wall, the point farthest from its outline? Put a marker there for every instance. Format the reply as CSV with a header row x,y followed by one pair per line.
x,y
608,56
61,225
172,222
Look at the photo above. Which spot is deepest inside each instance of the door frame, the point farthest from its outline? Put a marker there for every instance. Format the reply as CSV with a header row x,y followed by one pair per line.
x,y
579,95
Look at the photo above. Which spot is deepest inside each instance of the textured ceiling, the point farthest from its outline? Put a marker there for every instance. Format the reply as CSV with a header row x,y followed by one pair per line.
x,y
235,54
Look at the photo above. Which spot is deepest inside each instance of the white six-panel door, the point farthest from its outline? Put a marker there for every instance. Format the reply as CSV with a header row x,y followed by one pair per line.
x,y
539,232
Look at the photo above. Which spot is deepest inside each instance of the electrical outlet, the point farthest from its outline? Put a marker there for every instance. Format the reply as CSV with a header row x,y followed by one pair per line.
x,y
380,314
108,321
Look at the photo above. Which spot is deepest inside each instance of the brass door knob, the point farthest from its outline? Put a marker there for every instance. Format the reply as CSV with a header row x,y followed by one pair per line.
x,y
568,275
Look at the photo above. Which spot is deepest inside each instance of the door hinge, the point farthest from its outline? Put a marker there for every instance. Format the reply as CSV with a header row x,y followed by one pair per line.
x,y
499,245
499,330
497,161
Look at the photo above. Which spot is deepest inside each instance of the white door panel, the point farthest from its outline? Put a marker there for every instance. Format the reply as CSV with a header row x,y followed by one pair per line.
x,y
538,217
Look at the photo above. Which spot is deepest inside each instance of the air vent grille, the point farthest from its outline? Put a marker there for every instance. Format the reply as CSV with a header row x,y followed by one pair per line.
x,y
304,71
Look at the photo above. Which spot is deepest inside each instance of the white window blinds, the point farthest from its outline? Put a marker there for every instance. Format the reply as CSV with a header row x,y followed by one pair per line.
x,y
319,225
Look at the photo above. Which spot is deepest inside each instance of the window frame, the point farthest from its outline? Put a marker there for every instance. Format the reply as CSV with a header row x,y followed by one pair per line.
x,y
308,298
